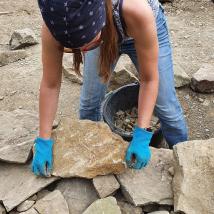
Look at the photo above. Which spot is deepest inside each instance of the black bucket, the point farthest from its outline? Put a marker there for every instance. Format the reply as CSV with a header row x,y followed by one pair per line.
x,y
124,98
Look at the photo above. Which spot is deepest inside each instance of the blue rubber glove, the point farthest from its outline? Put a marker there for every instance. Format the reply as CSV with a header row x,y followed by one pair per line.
x,y
139,148
43,157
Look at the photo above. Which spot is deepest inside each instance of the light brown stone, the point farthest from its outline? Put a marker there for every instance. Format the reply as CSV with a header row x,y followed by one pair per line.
x,y
86,149
193,182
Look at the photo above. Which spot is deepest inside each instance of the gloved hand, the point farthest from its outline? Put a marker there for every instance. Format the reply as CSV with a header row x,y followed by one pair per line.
x,y
139,148
43,157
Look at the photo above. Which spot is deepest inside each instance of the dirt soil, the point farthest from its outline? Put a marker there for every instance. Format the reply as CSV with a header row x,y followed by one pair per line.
x,y
191,29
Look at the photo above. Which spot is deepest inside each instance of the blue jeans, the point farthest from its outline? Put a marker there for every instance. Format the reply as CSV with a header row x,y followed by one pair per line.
x,y
167,108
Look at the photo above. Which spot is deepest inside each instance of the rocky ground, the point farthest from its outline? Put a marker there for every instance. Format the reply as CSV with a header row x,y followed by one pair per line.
x,y
191,30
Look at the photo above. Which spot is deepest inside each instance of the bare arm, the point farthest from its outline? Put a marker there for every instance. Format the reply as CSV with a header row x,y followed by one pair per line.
x,y
141,27
52,53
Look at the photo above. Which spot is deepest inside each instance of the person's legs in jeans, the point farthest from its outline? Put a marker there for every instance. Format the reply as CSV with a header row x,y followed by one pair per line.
x,y
167,108
93,91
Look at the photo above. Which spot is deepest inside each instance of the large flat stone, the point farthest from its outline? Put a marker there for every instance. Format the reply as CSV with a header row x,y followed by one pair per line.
x,y
17,133
86,149
151,184
193,182
7,57
104,206
79,193
53,203
18,183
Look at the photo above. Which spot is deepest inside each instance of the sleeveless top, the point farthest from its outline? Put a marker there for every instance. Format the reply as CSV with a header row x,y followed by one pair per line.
x,y
119,21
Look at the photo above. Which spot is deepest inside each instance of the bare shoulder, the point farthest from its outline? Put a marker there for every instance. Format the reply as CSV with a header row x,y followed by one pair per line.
x,y
137,14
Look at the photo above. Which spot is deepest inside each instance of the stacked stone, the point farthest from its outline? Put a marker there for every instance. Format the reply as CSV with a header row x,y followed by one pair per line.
x,y
91,177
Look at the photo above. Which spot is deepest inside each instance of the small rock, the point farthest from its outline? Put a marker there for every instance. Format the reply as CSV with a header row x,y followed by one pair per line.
x,y
207,130
20,107
200,100
203,79
105,185
206,103
54,202
171,171
1,97
55,123
187,97
12,93
104,206
24,206
22,38
7,57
